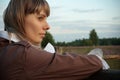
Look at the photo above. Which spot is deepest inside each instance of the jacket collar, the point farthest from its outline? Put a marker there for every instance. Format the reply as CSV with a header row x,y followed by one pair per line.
x,y
5,35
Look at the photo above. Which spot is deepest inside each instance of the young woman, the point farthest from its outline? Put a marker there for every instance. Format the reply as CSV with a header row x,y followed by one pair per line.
x,y
21,57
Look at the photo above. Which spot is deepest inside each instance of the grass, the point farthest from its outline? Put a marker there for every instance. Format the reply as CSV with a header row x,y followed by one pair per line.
x,y
114,63
108,50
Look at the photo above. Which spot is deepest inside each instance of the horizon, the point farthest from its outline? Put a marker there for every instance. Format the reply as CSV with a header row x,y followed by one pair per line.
x,y
72,20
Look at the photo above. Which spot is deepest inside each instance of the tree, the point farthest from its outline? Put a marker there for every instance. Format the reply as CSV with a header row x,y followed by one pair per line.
x,y
93,37
48,39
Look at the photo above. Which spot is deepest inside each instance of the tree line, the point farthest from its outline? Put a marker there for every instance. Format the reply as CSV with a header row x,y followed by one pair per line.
x,y
92,41
87,42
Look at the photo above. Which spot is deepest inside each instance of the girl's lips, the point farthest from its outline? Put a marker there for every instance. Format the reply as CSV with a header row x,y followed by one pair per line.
x,y
42,35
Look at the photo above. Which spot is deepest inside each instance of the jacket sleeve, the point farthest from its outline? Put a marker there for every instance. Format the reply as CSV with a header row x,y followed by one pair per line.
x,y
48,65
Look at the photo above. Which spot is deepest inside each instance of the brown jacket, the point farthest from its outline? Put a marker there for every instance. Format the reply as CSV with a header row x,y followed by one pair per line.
x,y
21,61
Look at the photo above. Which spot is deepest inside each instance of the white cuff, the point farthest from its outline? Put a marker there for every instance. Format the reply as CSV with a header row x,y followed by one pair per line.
x,y
49,48
99,53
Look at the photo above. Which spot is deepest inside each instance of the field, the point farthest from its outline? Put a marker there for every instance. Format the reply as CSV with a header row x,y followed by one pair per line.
x,y
111,53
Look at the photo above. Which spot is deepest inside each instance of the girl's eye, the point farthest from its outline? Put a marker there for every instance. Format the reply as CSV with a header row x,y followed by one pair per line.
x,y
40,18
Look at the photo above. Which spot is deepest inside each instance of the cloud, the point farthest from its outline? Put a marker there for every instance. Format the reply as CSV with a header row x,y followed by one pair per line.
x,y
84,24
3,5
1,23
56,7
67,30
116,18
87,10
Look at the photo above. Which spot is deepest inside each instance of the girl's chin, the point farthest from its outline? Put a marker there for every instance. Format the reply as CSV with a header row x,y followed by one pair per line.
x,y
36,42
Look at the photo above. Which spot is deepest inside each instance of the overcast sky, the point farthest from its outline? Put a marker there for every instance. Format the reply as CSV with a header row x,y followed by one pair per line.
x,y
74,19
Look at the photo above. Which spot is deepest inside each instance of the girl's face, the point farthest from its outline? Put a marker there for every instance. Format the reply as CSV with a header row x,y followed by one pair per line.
x,y
35,27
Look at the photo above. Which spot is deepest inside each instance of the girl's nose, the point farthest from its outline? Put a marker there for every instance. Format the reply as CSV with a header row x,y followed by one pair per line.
x,y
46,27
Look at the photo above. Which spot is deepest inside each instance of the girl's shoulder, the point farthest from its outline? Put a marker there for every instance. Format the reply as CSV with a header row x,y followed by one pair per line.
x,y
21,43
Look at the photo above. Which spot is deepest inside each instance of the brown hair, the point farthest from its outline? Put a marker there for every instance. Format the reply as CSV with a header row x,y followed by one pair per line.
x,y
17,10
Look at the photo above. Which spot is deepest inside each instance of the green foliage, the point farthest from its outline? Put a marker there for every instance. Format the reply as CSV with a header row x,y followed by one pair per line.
x,y
109,41
75,43
48,38
93,37
88,42
114,63
61,44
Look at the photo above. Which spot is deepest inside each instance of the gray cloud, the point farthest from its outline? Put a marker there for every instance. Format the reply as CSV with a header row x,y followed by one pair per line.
x,y
87,10
56,7
116,18
1,23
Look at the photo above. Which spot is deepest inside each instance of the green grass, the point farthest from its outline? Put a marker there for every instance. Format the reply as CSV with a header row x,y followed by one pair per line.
x,y
114,63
